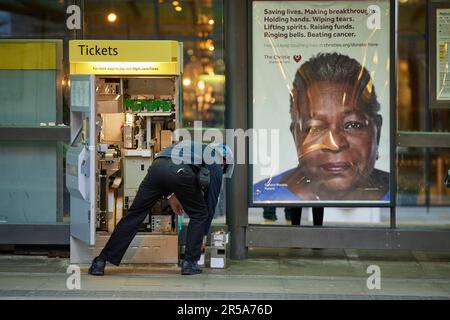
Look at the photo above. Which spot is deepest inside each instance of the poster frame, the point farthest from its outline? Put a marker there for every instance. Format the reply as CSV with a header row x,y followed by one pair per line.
x,y
433,6
392,112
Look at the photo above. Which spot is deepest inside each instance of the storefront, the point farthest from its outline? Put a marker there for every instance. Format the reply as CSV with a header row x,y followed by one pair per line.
x,y
255,47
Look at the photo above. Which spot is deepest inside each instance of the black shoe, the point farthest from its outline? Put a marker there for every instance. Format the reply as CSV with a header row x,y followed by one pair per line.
x,y
97,267
270,214
190,268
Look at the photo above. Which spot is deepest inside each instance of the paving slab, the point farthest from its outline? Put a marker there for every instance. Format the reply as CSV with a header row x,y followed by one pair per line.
x,y
268,274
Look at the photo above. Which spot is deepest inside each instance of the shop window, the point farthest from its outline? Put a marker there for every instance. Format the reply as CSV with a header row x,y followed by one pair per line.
x,y
25,95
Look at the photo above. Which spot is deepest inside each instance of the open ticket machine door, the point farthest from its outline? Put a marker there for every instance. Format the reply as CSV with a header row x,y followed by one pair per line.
x,y
125,105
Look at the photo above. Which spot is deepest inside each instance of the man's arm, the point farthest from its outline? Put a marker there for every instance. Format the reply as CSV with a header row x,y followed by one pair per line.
x,y
175,204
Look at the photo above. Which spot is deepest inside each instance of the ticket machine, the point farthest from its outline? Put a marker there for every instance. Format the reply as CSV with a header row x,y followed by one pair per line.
x,y
125,103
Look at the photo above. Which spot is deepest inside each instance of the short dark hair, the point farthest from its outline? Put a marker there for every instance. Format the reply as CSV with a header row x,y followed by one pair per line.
x,y
337,68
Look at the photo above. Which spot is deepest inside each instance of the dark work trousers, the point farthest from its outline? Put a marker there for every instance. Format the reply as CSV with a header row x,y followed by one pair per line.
x,y
296,216
163,178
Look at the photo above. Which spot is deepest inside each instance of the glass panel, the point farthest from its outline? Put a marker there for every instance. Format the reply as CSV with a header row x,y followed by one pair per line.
x,y
332,217
119,19
28,184
422,199
411,17
204,69
412,68
31,182
421,217
416,189
412,94
28,97
174,18
411,177
412,166
411,80
33,19
440,119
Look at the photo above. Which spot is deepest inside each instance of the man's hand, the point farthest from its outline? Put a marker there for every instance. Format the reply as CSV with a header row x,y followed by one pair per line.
x,y
175,205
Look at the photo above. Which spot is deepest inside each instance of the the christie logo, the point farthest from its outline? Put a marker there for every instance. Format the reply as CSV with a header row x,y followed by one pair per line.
x,y
297,58
85,50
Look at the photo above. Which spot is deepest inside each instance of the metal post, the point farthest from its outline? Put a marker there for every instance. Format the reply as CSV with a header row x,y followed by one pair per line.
x,y
393,214
235,22
393,105
428,124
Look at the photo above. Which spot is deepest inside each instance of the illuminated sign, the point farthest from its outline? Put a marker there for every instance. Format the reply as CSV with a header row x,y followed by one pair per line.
x,y
132,57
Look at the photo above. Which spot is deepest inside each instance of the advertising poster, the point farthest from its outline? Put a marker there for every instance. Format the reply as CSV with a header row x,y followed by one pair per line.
x,y
443,55
321,102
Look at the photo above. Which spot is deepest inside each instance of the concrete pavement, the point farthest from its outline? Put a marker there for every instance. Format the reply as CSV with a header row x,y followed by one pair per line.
x,y
267,274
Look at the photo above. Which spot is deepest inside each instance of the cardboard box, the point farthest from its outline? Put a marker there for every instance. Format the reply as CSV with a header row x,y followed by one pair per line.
x,y
108,106
112,127
219,252
218,258
166,138
219,239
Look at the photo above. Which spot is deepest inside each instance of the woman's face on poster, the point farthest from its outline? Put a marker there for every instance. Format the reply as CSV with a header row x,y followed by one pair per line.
x,y
336,140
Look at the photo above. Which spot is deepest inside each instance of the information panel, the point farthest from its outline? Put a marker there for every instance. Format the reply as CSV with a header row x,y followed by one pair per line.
x,y
442,54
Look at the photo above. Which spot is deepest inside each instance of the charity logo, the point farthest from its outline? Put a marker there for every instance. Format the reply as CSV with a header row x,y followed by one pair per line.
x,y
297,58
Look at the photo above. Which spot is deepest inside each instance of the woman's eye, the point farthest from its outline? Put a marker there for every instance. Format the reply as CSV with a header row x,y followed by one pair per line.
x,y
354,125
